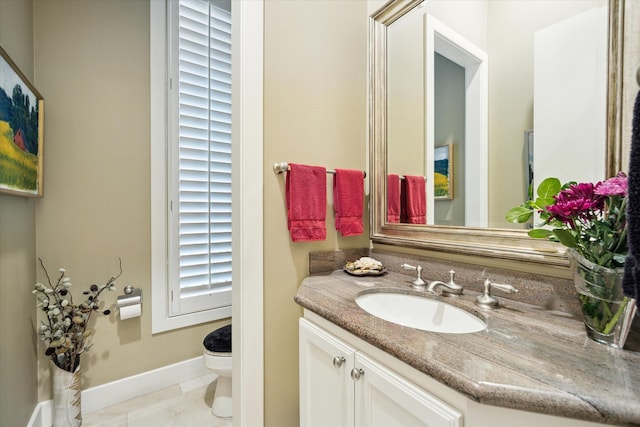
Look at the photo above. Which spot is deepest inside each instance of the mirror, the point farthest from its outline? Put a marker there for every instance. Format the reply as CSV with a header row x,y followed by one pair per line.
x,y
490,169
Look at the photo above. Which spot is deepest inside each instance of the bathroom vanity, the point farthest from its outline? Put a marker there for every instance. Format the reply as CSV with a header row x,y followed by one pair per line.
x,y
530,366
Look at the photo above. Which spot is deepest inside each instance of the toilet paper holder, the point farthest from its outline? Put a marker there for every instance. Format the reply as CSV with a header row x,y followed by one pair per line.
x,y
132,296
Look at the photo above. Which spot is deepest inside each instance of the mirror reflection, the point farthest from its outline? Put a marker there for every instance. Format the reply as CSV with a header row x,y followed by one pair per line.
x,y
485,99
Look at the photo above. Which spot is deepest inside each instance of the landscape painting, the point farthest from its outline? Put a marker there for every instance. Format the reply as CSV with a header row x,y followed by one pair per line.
x,y
21,132
443,173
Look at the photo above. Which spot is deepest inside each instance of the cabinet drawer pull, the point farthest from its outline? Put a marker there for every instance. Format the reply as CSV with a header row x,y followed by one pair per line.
x,y
338,361
356,374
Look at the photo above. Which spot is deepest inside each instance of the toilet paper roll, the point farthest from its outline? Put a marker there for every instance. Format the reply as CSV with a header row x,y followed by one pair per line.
x,y
130,311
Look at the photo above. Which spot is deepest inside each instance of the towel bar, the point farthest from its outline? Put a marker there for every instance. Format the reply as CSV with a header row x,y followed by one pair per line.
x,y
282,167
402,178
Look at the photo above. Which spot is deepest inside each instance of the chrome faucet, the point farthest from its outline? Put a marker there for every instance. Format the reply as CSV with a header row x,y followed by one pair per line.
x,y
450,288
486,300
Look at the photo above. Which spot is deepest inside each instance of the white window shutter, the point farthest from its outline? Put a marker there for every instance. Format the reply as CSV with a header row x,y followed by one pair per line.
x,y
200,266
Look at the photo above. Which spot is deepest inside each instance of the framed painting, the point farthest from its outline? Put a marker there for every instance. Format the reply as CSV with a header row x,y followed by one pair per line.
x,y
443,172
21,132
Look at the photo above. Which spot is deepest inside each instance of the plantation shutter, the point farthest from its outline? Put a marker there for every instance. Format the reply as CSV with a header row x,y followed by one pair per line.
x,y
204,158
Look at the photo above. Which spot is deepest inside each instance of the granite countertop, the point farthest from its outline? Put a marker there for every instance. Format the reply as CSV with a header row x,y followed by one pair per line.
x,y
527,358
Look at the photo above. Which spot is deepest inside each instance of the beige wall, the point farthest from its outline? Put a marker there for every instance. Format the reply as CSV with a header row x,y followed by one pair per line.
x,y
406,97
92,63
315,113
18,371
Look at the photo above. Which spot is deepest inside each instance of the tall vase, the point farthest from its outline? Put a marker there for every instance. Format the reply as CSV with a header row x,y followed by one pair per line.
x,y
606,311
67,409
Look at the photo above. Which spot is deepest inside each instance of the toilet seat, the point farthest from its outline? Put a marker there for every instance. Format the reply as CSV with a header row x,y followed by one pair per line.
x,y
219,340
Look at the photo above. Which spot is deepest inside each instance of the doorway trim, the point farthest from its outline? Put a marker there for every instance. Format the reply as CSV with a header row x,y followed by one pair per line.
x,y
247,190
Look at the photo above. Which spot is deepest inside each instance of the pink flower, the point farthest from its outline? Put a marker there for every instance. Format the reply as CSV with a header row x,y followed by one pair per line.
x,y
576,202
616,186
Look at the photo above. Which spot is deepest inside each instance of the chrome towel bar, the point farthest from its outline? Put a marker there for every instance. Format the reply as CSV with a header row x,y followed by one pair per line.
x,y
282,167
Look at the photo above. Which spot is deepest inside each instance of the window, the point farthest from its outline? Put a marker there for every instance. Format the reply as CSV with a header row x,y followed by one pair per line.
x,y
195,277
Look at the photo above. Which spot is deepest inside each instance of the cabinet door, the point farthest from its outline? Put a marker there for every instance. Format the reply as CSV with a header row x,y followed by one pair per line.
x,y
326,387
385,399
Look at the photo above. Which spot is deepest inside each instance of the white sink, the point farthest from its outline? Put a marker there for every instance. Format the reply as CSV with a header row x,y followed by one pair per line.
x,y
420,313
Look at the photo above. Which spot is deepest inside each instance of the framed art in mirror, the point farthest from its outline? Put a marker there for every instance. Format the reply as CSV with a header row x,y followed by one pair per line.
x,y
21,132
443,184
502,243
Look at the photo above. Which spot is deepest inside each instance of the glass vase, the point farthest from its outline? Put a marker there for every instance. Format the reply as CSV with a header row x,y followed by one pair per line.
x,y
606,311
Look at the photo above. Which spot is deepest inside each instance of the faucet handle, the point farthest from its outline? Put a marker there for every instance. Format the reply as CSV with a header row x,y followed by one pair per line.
x,y
504,288
486,300
418,283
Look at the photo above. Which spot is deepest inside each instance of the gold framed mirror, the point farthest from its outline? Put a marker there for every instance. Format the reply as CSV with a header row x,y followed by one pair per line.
x,y
502,243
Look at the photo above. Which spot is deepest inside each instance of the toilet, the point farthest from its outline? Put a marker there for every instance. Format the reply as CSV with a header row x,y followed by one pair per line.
x,y
217,357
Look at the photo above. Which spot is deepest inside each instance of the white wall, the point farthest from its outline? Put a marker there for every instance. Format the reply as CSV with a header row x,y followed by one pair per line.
x,y
570,92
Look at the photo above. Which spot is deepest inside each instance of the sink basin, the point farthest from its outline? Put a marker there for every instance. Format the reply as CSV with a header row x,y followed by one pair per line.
x,y
420,313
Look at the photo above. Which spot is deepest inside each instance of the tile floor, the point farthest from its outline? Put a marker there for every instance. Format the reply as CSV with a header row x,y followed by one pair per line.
x,y
187,404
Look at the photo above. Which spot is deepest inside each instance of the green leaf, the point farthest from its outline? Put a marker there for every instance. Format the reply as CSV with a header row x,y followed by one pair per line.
x,y
518,215
543,203
565,237
540,233
549,188
605,259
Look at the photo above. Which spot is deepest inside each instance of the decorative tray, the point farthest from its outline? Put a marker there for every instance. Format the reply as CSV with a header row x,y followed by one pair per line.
x,y
360,272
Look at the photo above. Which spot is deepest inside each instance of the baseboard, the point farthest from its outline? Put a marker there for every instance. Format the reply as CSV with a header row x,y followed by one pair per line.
x,y
119,391
41,416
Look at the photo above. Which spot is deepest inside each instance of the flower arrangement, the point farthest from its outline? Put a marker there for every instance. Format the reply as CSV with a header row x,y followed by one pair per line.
x,y
589,218
64,331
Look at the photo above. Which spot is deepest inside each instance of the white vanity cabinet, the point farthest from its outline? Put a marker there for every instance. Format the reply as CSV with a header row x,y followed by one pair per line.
x,y
342,386
326,387
388,392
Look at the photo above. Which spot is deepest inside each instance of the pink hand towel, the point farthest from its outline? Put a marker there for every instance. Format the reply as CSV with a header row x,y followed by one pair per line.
x,y
414,199
348,201
306,188
393,198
